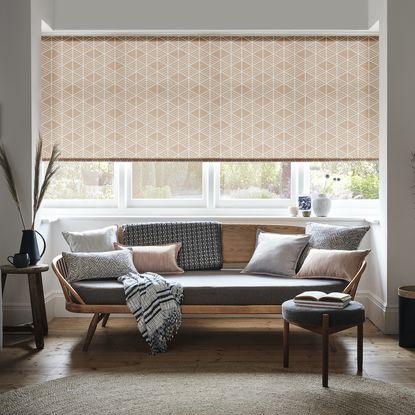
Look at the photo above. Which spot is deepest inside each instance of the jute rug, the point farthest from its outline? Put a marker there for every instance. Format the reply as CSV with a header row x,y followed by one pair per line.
x,y
208,393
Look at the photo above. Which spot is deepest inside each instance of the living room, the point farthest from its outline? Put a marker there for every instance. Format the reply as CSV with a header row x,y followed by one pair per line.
x,y
205,129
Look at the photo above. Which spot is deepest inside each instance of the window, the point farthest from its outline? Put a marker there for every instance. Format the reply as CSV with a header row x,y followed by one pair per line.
x,y
345,179
212,185
255,180
83,180
168,180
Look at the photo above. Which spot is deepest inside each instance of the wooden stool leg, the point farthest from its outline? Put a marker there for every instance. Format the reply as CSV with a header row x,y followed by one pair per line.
x,y
35,301
325,336
286,342
105,320
41,296
3,282
360,349
91,330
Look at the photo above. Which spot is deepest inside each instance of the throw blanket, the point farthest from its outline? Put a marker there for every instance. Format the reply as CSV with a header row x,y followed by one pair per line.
x,y
155,304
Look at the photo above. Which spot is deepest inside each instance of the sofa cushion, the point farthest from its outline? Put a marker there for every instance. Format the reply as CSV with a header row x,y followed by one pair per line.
x,y
91,265
97,240
276,254
201,241
225,287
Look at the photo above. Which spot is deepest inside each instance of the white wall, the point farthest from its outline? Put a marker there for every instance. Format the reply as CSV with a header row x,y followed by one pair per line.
x,y
211,15
374,10
400,131
19,103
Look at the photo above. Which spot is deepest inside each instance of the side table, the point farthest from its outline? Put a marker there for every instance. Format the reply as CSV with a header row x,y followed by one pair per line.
x,y
39,327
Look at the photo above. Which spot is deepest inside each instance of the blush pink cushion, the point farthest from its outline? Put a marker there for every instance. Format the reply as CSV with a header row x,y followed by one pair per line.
x,y
331,263
161,259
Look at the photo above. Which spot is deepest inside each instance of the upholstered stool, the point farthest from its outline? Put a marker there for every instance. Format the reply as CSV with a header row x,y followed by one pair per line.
x,y
325,321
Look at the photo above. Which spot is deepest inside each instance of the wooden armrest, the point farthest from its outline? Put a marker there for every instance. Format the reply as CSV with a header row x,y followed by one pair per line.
x,y
353,284
59,267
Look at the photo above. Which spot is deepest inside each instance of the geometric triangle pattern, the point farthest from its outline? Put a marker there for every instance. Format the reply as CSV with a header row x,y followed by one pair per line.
x,y
211,97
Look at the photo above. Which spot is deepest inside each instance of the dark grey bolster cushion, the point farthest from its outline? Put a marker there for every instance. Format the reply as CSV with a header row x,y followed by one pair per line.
x,y
354,314
226,287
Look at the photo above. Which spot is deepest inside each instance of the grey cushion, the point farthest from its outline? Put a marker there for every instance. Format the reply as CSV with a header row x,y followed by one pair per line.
x,y
324,236
201,241
226,287
354,313
276,254
92,265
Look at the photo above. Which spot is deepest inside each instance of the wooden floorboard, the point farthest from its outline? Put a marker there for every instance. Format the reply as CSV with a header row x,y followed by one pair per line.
x,y
203,344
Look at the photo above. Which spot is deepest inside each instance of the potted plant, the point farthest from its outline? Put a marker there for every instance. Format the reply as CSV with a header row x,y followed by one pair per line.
x,y
29,242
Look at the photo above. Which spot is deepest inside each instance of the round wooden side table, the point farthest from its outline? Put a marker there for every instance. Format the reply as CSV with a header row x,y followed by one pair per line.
x,y
39,327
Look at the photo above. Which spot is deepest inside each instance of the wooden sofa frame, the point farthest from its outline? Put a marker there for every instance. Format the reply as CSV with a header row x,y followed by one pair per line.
x,y
238,244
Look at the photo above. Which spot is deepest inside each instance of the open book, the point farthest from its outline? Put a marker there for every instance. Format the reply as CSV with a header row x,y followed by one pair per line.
x,y
321,299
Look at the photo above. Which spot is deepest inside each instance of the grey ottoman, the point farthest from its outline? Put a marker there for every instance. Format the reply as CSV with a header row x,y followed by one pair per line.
x,y
324,321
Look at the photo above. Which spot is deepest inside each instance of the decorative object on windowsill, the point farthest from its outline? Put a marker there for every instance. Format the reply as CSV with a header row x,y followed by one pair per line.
x,y
293,211
29,241
322,203
304,205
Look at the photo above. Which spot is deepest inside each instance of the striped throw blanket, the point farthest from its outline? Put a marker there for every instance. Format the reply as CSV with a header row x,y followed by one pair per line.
x,y
155,304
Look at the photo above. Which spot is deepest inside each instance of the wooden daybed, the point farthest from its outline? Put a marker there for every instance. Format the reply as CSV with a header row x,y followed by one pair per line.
x,y
238,244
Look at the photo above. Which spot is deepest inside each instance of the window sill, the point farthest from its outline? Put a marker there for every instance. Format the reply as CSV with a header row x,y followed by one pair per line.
x,y
123,217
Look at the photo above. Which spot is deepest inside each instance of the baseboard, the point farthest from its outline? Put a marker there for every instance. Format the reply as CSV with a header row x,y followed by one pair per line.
x,y
382,316
21,313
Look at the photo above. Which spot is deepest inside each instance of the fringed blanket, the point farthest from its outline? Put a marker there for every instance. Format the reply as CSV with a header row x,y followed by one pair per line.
x,y
155,304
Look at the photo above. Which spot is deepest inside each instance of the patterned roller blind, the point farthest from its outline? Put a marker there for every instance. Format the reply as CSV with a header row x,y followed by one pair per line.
x,y
211,98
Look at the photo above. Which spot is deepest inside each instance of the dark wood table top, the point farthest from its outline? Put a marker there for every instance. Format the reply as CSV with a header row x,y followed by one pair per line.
x,y
32,269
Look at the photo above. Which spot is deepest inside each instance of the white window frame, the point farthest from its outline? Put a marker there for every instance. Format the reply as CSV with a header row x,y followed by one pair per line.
x,y
210,203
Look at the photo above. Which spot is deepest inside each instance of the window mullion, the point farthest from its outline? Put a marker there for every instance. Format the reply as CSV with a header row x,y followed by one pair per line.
x,y
214,182
124,178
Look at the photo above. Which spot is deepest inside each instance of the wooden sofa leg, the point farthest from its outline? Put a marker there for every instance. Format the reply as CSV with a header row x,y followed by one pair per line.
x,y
105,320
91,330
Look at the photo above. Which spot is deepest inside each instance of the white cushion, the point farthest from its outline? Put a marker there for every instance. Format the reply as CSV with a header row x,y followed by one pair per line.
x,y
97,240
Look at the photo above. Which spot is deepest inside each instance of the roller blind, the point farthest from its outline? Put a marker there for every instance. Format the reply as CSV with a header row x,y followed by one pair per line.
x,y
211,98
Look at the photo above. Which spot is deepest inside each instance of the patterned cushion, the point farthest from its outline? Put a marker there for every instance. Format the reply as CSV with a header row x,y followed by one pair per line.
x,y
201,241
98,265
335,237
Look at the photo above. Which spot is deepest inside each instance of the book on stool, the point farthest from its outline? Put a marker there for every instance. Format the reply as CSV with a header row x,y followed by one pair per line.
x,y
319,299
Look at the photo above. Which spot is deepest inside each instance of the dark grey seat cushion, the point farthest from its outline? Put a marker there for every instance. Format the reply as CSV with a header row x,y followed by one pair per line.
x,y
354,314
226,287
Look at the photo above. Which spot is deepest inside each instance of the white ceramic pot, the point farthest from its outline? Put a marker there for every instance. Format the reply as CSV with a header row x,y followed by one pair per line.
x,y
293,211
321,205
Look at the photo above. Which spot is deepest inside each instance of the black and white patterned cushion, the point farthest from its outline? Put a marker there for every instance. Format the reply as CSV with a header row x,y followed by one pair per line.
x,y
98,265
324,236
201,241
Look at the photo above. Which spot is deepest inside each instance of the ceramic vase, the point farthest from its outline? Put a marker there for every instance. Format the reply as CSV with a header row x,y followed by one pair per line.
x,y
321,205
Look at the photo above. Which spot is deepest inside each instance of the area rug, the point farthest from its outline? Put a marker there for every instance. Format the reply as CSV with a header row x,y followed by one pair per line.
x,y
208,393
